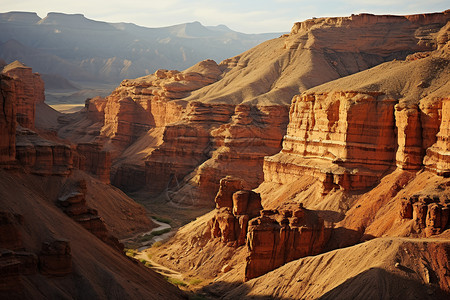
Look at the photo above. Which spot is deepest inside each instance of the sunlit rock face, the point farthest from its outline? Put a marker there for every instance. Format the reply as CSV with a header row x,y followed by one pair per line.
x,y
29,90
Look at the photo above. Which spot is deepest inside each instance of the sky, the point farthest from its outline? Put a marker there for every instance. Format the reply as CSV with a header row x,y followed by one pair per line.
x,y
251,16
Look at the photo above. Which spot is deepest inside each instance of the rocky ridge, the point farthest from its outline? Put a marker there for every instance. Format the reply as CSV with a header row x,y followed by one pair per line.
x,y
223,119
367,151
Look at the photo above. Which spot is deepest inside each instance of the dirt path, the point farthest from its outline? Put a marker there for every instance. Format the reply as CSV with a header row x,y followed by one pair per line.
x,y
159,268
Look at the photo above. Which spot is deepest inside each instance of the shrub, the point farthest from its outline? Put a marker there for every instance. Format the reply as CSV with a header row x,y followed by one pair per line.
x,y
175,281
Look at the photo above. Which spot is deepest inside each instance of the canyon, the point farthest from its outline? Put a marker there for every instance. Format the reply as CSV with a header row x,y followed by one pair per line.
x,y
323,156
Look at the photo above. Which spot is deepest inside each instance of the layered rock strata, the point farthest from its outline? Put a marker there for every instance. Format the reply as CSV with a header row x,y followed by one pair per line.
x,y
234,209
437,156
73,203
92,159
345,139
137,105
280,236
40,156
7,120
430,214
29,90
273,237
411,33
55,258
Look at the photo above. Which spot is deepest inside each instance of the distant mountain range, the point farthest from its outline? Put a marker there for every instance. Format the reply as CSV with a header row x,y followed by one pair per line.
x,y
87,52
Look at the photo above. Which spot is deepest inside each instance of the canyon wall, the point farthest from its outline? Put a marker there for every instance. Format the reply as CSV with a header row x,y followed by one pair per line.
x,y
7,120
29,91
437,157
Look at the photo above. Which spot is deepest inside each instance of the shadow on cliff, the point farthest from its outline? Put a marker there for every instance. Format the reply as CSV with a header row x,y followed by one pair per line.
x,y
225,290
377,283
342,237
374,283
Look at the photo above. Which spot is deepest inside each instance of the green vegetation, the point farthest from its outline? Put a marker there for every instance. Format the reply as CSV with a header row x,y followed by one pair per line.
x,y
161,219
148,237
148,264
195,281
175,281
157,244
130,252
160,232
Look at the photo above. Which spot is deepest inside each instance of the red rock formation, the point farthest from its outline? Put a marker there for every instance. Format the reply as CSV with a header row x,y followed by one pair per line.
x,y
272,238
29,90
228,186
234,208
55,258
94,160
10,237
96,109
438,155
136,105
7,120
370,34
41,156
345,139
276,238
73,203
430,214
409,154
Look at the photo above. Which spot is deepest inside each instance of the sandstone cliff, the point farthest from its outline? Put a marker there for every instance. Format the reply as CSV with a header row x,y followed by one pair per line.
x,y
7,121
223,119
29,90
367,152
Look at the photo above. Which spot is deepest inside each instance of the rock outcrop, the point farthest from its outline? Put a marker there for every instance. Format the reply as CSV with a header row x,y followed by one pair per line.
x,y
234,208
73,203
280,236
41,156
55,258
7,120
92,159
437,157
430,214
29,90
139,104
273,237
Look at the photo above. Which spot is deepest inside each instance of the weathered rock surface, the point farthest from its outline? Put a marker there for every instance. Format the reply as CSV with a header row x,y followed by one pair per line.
x,y
273,237
92,159
10,237
280,236
437,157
73,203
55,258
349,132
7,120
139,104
430,213
41,156
29,90
234,208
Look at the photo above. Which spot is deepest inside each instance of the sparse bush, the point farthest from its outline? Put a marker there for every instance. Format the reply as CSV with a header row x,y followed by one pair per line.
x,y
130,252
157,244
175,281
195,281
160,232
161,219
148,264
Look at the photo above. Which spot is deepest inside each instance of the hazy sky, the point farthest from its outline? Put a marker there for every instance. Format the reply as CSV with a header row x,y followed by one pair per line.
x,y
251,16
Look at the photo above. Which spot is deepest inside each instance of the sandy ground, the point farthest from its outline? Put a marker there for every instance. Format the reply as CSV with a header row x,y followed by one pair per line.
x,y
67,108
